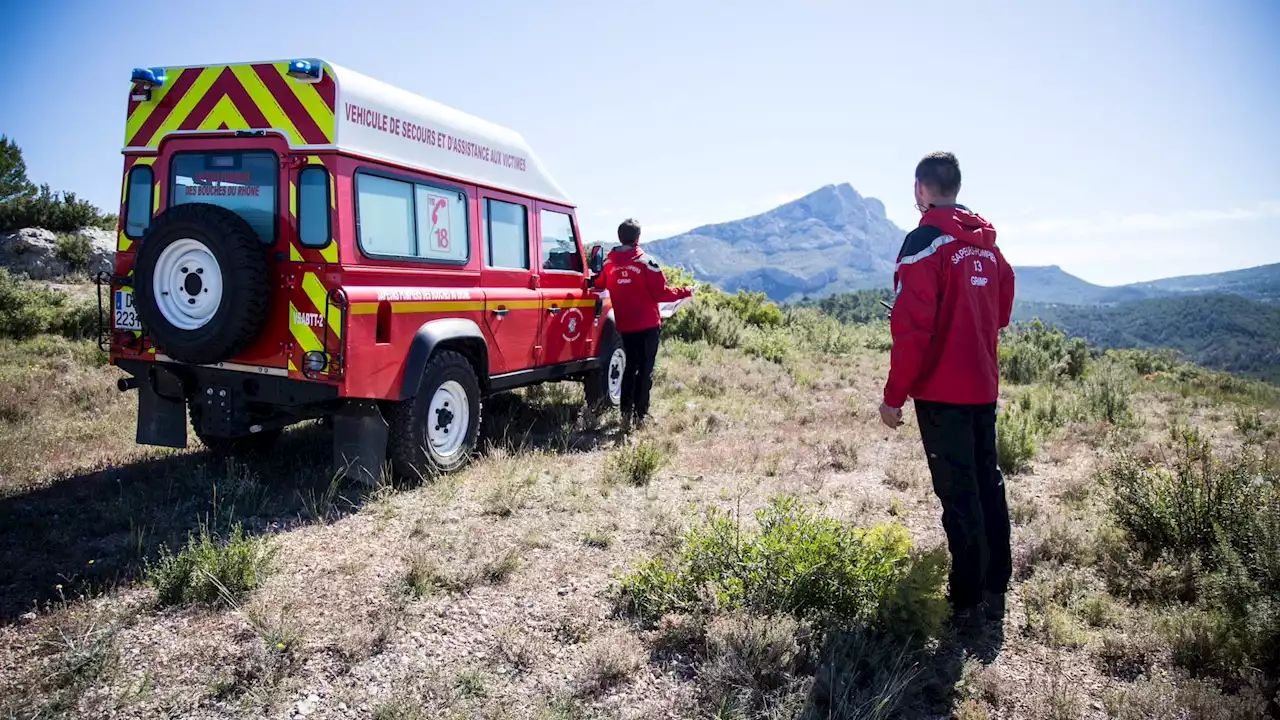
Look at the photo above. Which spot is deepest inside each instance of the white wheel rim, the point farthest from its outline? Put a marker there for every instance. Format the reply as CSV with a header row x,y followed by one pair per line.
x,y
617,366
187,284
448,418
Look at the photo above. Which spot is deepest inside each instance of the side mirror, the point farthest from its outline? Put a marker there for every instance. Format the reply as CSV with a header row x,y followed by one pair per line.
x,y
596,260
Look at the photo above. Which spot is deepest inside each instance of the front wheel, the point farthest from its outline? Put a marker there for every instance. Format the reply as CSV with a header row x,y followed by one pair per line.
x,y
603,387
435,431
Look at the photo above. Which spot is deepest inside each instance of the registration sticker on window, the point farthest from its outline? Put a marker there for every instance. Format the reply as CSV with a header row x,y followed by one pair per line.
x,y
126,315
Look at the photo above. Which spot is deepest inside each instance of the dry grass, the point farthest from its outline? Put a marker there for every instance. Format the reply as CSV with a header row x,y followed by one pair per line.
x,y
485,594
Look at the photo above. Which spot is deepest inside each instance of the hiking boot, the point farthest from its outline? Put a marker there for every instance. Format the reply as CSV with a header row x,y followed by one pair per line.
x,y
994,604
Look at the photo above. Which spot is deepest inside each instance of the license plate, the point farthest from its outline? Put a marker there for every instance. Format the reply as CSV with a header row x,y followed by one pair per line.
x,y
126,315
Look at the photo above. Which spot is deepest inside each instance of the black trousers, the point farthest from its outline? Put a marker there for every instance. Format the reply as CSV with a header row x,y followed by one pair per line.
x,y
637,378
960,442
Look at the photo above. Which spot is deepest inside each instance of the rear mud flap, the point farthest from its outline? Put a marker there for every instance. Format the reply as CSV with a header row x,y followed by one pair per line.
x,y
161,420
360,441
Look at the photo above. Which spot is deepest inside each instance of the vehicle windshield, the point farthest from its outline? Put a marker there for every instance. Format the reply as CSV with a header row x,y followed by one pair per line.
x,y
243,182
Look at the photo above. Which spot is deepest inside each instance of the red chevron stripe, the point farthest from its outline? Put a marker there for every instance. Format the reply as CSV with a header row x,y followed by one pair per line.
x,y
292,106
164,106
226,85
133,104
328,90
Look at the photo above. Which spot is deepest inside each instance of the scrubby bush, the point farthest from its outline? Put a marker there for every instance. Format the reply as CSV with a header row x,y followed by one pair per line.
x,y
209,570
29,308
1204,531
1016,440
57,211
1106,393
636,464
1033,352
74,250
800,563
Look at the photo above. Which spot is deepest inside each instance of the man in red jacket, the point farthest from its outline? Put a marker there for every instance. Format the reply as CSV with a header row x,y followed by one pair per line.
x,y
636,285
954,294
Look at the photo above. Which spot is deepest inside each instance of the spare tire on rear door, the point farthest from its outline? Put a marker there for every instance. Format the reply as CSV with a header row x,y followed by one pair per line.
x,y
201,283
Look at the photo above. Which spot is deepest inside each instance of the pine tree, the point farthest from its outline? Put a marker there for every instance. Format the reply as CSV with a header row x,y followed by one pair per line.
x,y
13,172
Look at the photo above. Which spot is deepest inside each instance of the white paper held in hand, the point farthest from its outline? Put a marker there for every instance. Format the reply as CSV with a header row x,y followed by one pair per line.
x,y
667,309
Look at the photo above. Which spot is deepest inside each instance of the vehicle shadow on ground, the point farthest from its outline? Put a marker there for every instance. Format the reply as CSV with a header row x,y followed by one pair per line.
x,y
85,534
546,420
862,676
88,533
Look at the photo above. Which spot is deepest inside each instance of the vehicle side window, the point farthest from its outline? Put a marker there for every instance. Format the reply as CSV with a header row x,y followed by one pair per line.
x,y
313,206
442,224
559,246
506,234
386,215
404,219
137,216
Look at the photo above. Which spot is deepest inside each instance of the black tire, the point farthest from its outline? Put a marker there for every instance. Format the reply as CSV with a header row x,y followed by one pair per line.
x,y
246,285
596,385
412,455
253,445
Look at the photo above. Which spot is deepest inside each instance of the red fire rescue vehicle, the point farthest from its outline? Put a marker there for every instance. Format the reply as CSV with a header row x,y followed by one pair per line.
x,y
299,241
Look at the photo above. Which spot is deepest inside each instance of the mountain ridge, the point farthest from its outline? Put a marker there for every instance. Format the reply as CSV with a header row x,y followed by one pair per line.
x,y
836,240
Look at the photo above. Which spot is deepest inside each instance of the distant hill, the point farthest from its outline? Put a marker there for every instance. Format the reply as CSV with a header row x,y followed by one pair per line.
x,y
831,240
1221,331
834,240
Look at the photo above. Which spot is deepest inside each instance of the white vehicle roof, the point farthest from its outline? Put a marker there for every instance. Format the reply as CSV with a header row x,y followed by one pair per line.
x,y
384,122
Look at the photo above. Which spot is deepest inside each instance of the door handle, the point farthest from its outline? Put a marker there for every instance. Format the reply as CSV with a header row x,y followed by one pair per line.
x,y
501,311
553,309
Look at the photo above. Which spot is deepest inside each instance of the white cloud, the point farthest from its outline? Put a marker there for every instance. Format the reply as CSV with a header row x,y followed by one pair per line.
x,y
1140,222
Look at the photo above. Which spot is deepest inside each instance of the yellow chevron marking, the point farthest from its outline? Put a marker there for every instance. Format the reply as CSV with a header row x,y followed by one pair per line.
x,y
317,293
294,255
188,103
144,110
330,252
224,113
292,367
266,102
310,99
293,200
306,338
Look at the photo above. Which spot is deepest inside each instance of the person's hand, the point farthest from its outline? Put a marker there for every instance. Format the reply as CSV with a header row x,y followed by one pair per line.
x,y
890,416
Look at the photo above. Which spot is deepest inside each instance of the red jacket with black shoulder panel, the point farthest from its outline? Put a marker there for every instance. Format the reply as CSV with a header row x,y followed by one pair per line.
x,y
954,294
636,285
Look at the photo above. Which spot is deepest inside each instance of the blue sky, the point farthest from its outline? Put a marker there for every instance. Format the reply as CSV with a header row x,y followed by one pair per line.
x,y
1123,141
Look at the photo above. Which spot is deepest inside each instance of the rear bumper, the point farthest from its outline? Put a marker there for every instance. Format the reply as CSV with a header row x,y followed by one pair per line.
x,y
232,403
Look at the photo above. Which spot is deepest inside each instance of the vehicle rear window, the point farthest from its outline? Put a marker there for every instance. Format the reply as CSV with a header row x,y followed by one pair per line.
x,y
243,182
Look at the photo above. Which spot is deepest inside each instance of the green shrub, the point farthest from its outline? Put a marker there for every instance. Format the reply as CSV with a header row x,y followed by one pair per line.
x,y
772,345
798,563
1032,352
1185,506
75,250
1204,531
60,212
1146,362
636,464
29,308
1105,395
1016,440
209,570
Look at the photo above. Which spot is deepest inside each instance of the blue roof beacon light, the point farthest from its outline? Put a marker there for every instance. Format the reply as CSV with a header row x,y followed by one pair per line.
x,y
305,69
148,78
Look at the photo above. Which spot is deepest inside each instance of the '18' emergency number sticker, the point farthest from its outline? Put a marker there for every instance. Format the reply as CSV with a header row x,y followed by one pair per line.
x,y
126,313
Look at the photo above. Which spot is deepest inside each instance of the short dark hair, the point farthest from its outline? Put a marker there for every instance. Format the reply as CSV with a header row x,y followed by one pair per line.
x,y
629,232
940,172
